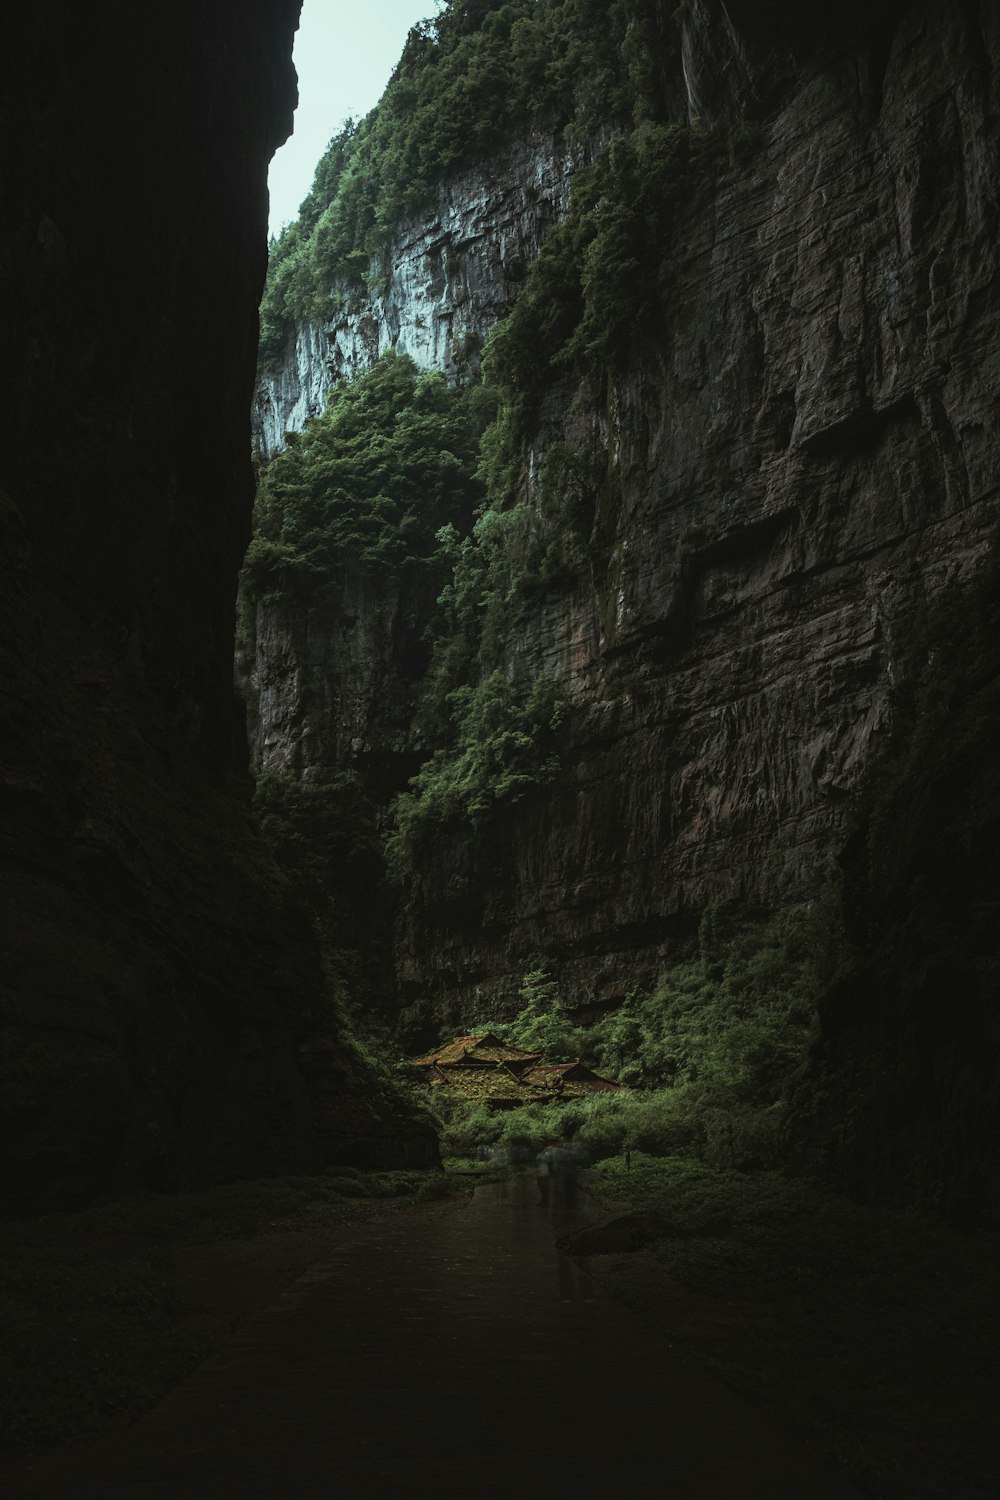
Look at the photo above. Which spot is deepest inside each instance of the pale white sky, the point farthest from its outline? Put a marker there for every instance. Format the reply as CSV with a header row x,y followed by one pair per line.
x,y
344,53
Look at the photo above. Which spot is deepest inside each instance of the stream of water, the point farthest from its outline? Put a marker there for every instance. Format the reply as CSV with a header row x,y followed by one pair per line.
x,y
458,1352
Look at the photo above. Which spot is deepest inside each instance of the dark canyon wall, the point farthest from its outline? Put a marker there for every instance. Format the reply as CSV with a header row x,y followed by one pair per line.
x,y
165,1017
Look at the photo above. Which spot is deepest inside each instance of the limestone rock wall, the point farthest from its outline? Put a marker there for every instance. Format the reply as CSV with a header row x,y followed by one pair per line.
x,y
814,443
335,677
811,444
452,273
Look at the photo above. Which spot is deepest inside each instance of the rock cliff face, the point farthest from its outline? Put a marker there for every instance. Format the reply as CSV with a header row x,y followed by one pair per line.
x,y
452,274
336,677
812,446
164,1017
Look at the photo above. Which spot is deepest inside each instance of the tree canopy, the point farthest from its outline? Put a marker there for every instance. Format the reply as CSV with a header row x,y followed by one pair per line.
x,y
373,479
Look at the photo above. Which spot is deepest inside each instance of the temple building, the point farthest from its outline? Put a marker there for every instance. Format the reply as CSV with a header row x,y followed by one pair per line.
x,y
484,1069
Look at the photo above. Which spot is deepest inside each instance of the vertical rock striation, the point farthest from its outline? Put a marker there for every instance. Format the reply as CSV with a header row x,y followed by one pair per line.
x,y
810,448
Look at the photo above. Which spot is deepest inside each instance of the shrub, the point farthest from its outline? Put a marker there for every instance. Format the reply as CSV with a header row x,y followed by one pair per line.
x,y
506,750
543,1024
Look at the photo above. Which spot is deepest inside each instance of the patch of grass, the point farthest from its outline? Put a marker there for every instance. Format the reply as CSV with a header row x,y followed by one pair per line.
x,y
92,1303
485,1171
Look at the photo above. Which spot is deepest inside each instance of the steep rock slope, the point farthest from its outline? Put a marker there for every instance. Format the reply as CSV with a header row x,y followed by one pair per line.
x,y
334,671
806,446
812,444
165,1016
452,274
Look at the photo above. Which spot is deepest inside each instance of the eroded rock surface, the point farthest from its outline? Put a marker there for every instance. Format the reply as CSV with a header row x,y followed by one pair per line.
x,y
453,271
812,446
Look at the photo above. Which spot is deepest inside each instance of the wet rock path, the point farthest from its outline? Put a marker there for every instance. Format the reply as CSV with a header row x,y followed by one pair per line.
x,y
461,1353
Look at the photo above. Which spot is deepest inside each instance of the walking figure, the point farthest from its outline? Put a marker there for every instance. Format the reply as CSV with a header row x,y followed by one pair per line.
x,y
543,1173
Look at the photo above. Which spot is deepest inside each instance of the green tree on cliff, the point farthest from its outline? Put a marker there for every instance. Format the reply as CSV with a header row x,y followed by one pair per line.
x,y
372,480
543,1024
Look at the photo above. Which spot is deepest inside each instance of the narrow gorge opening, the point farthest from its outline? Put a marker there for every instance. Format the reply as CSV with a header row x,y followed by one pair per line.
x,y
585,900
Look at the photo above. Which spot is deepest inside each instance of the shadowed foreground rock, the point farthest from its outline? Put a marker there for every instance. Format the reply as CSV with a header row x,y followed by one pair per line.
x,y
164,1015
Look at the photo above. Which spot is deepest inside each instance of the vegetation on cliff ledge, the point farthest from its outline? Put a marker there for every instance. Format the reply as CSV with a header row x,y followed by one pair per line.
x,y
598,282
468,79
505,747
371,480
514,517
710,1055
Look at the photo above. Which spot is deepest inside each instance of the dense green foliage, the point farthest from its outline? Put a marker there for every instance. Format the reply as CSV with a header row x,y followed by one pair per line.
x,y
465,81
372,480
543,1024
597,282
498,737
505,748
387,478
709,1056
735,1018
